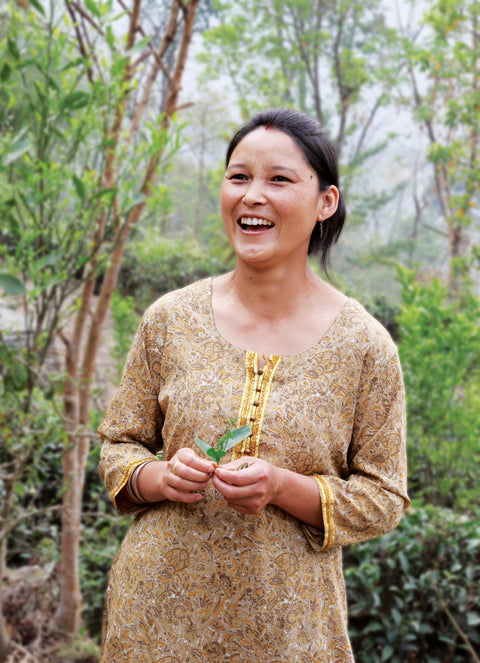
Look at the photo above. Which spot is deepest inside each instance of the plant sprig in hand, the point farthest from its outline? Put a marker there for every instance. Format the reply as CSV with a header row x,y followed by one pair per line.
x,y
230,439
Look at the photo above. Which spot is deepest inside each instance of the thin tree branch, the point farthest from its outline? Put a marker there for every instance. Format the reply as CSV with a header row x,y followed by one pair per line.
x,y
81,43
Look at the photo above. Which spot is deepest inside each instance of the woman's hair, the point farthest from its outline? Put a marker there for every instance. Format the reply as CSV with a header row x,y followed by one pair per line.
x,y
320,155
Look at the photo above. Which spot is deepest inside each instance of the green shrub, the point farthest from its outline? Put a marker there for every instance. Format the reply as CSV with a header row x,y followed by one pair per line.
x,y
126,320
413,592
150,269
31,447
440,353
103,531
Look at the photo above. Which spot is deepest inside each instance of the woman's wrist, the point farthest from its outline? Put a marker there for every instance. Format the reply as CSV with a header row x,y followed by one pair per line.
x,y
298,494
134,490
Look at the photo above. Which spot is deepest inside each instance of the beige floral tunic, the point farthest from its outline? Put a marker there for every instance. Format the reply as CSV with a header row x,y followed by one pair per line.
x,y
202,583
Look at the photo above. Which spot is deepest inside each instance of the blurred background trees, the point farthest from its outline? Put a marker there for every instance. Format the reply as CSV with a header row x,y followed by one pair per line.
x,y
114,118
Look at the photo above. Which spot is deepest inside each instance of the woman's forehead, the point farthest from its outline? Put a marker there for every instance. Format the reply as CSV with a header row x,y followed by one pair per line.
x,y
268,144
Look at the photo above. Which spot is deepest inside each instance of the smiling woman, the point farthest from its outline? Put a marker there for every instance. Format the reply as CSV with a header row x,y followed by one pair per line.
x,y
243,561
271,192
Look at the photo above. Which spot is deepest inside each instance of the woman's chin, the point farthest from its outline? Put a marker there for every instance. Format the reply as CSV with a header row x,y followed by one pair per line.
x,y
254,255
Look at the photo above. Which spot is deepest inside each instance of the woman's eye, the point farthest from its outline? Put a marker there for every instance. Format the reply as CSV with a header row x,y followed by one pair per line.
x,y
280,178
237,176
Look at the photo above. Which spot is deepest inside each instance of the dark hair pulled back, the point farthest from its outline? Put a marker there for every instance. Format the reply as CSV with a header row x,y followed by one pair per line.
x,y
320,155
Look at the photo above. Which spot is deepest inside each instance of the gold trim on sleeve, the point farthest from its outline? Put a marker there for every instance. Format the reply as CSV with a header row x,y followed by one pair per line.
x,y
127,475
256,391
328,498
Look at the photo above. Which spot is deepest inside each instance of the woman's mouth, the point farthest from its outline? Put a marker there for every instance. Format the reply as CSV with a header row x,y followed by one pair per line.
x,y
254,224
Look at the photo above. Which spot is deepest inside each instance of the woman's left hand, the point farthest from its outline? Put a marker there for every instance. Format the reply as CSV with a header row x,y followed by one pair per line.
x,y
250,489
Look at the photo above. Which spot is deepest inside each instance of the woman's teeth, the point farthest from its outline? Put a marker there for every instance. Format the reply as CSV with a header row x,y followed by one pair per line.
x,y
256,222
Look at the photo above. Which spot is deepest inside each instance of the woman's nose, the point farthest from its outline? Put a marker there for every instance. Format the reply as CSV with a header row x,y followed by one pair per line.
x,y
254,194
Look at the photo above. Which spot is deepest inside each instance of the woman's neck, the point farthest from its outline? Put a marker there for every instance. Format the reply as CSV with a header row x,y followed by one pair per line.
x,y
272,293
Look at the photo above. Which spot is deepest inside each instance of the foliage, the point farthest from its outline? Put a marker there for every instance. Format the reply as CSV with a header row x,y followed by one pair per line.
x,y
442,63
126,319
413,593
79,153
322,58
150,269
103,531
228,440
440,349
31,446
50,190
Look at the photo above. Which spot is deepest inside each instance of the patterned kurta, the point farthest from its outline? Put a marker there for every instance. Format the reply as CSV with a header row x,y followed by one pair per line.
x,y
201,583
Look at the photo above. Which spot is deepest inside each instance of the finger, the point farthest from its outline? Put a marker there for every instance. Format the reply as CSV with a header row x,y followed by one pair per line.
x,y
247,506
187,464
231,493
183,471
191,457
175,495
243,463
235,477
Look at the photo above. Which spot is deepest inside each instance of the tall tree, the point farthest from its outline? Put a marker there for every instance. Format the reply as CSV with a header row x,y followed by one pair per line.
x,y
82,160
165,58
325,57
441,55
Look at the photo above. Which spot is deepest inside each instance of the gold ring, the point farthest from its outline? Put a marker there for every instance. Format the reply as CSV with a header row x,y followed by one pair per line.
x,y
175,466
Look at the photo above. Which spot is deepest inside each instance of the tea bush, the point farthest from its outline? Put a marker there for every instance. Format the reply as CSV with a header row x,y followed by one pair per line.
x,y
150,269
414,594
440,350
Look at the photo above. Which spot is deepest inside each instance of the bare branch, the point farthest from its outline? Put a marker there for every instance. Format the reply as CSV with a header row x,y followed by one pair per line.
x,y
80,41
168,37
88,18
435,230
366,128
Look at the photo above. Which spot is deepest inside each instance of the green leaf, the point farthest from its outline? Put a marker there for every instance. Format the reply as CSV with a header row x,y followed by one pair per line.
x,y
387,652
105,192
216,454
5,71
228,440
222,442
119,66
92,6
11,285
110,37
16,149
473,618
79,187
19,489
203,445
13,49
238,435
75,100
38,6
48,260
139,46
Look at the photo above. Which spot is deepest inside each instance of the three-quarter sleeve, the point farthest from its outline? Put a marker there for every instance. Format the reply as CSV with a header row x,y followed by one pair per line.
x,y
371,499
131,429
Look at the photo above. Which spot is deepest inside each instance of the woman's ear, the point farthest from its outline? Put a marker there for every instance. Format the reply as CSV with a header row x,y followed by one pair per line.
x,y
329,203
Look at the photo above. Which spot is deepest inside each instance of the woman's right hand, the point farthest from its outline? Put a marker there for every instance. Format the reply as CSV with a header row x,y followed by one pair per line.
x,y
179,479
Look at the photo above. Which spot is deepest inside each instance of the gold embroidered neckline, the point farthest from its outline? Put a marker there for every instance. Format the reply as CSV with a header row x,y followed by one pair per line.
x,y
258,383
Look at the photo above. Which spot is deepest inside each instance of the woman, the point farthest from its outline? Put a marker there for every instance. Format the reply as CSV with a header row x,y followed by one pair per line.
x,y
226,565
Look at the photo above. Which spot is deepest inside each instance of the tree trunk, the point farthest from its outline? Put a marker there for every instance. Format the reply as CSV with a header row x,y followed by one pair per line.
x,y
4,639
81,365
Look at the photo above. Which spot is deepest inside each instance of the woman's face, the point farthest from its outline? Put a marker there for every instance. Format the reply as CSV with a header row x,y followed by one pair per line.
x,y
270,198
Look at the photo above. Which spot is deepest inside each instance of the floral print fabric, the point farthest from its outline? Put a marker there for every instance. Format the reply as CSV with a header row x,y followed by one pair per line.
x,y
202,583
